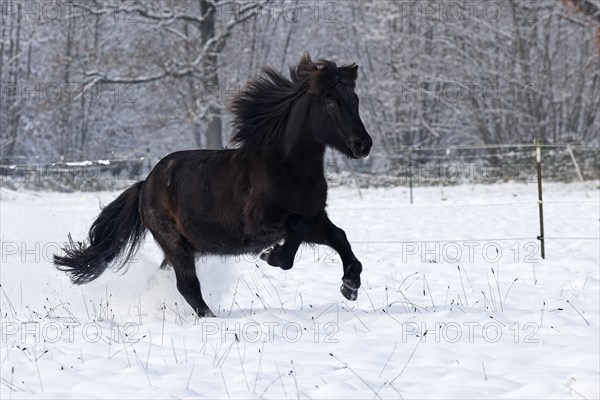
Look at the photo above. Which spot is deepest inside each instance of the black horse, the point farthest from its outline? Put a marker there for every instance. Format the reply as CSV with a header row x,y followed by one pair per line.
x,y
267,195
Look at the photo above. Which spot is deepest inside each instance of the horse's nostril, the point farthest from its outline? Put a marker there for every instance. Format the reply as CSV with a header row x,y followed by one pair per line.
x,y
359,145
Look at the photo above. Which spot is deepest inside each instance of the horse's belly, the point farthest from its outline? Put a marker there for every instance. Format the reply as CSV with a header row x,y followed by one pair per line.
x,y
263,239
211,239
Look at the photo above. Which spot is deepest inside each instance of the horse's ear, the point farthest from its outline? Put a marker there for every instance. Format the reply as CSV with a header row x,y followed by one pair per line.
x,y
305,60
305,67
319,76
323,75
353,71
348,75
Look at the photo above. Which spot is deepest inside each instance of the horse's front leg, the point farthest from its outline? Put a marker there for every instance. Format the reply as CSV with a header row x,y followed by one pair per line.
x,y
323,231
282,255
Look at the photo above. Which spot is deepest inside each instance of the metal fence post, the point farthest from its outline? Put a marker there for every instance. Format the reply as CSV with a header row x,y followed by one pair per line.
x,y
538,161
410,175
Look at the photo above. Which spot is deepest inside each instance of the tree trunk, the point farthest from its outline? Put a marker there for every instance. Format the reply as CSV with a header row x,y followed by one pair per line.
x,y
212,118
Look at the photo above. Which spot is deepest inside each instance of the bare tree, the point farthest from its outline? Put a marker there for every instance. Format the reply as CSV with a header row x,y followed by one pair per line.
x,y
202,36
145,77
11,102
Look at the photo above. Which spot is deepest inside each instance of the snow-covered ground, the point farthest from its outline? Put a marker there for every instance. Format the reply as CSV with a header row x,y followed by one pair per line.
x,y
456,303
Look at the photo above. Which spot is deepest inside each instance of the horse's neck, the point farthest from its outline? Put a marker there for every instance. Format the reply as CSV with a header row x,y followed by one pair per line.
x,y
298,146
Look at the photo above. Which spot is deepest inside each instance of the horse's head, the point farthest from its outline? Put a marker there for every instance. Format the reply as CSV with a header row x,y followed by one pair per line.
x,y
334,115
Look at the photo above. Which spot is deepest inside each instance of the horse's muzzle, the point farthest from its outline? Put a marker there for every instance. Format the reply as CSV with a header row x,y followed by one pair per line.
x,y
360,147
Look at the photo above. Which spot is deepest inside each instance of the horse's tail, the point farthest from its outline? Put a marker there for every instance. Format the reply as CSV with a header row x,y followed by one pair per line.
x,y
118,230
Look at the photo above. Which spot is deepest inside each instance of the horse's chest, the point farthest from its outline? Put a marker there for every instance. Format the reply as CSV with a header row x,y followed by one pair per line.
x,y
289,196
310,199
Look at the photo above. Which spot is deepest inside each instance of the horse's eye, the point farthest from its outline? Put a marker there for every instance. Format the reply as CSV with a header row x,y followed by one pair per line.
x,y
331,104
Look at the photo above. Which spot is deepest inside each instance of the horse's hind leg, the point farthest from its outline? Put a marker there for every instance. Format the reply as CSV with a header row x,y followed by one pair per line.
x,y
156,216
187,281
180,255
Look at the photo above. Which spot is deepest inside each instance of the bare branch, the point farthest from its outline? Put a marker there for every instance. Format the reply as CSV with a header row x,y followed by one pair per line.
x,y
588,8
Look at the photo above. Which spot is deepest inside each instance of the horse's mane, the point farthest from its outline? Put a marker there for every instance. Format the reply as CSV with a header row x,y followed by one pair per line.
x,y
262,109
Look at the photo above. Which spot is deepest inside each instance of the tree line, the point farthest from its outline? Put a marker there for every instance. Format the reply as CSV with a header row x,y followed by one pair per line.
x,y
129,78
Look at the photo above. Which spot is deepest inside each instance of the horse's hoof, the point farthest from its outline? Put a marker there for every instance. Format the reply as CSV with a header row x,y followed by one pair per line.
x,y
206,314
270,259
285,266
165,265
265,255
349,292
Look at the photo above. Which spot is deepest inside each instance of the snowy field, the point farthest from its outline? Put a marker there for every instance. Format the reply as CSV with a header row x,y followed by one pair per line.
x,y
456,303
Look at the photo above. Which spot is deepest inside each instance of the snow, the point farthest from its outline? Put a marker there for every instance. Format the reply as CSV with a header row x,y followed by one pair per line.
x,y
79,163
506,324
